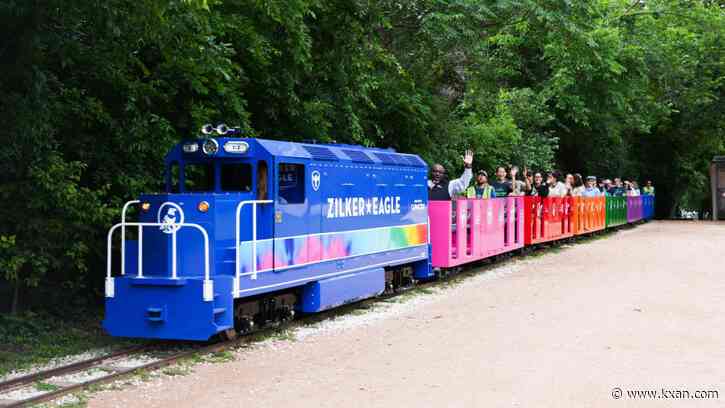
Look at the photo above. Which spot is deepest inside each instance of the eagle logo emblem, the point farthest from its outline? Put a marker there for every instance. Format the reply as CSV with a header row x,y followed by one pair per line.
x,y
315,180
169,220
172,218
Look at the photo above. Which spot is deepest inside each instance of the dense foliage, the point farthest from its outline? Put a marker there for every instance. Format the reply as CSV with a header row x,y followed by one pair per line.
x,y
92,93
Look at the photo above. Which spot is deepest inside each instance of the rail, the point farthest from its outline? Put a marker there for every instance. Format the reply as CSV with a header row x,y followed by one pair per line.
x,y
208,291
237,244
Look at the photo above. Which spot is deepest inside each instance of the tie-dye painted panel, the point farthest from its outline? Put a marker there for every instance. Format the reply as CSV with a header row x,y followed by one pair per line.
x,y
297,251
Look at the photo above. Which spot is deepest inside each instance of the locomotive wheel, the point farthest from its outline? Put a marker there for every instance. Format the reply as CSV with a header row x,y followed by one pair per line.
x,y
244,325
228,334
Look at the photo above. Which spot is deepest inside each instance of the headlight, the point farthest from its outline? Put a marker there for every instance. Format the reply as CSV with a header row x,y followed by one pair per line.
x,y
191,148
236,147
207,129
210,147
203,206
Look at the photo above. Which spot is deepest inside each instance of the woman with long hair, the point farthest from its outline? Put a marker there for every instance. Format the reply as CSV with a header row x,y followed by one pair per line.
x,y
578,188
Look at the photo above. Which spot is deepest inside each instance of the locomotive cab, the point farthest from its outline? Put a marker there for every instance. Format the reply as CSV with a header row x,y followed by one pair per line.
x,y
204,186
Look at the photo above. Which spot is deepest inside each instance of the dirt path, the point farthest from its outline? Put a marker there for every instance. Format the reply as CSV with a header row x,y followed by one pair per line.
x,y
643,308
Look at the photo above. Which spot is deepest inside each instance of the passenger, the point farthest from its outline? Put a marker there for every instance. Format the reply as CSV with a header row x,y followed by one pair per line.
x,y
440,188
556,187
578,188
541,189
569,183
617,189
635,189
628,188
501,186
648,189
529,189
591,190
518,187
481,189
606,186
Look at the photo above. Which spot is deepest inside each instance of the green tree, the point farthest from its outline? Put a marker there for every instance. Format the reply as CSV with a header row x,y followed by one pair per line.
x,y
92,94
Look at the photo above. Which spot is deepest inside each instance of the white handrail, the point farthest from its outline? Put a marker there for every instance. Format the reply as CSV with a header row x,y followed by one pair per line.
x,y
123,234
237,244
139,255
208,287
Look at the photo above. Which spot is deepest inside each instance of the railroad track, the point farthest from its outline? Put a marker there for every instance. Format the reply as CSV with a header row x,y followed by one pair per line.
x,y
111,366
57,387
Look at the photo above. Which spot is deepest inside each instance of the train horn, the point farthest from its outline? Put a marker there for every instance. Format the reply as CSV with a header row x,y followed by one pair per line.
x,y
222,129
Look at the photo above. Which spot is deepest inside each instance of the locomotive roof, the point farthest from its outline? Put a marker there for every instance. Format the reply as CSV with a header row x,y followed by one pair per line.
x,y
341,152
329,152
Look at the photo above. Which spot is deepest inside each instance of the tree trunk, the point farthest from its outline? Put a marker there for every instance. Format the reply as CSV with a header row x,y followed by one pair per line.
x,y
16,299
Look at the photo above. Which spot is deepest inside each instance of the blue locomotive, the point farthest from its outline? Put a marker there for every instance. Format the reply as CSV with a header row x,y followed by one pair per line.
x,y
251,231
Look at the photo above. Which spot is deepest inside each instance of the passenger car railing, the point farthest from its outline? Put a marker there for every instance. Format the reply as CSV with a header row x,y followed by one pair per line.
x,y
237,244
465,230
208,291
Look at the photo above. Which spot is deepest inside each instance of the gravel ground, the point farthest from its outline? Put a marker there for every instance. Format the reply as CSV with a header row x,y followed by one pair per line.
x,y
641,309
131,362
83,376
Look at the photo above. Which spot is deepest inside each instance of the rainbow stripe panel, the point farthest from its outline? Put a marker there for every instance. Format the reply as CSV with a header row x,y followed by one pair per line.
x,y
306,249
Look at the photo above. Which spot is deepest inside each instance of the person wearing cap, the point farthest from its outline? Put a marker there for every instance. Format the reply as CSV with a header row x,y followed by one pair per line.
x,y
440,188
481,189
591,189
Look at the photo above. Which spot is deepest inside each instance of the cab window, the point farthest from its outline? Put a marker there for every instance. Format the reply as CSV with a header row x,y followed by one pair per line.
x,y
198,177
236,177
291,183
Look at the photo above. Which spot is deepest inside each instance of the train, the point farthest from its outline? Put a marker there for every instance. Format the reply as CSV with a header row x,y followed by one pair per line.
x,y
251,232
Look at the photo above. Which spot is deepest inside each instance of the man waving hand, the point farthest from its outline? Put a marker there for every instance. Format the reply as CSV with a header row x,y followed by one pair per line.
x,y
440,188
